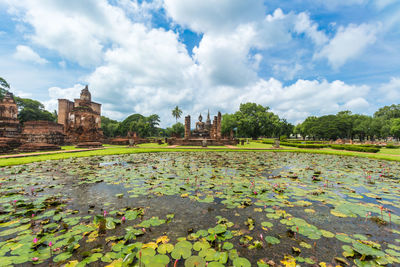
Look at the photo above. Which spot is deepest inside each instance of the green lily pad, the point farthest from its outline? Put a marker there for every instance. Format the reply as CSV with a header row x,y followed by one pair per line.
x,y
193,261
241,262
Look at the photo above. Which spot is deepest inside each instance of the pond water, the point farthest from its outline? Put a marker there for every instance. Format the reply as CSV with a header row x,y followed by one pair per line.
x,y
198,208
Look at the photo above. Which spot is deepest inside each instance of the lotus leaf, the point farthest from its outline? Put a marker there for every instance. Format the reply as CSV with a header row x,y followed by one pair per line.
x,y
241,262
193,261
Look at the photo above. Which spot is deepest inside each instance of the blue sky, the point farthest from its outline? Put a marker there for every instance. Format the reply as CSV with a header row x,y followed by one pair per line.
x,y
299,57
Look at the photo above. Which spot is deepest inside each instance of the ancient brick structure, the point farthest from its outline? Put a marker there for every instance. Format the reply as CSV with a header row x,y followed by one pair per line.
x,y
43,132
10,128
9,124
32,136
187,127
81,120
205,132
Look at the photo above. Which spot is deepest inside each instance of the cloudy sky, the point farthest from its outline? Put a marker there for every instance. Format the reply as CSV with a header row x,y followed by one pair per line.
x,y
299,57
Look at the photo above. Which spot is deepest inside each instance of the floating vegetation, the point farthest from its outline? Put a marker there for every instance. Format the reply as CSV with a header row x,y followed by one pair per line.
x,y
201,209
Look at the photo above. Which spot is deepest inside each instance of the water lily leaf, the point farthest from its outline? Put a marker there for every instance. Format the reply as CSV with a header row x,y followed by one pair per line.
x,y
193,261
344,238
161,259
338,214
152,245
110,224
200,245
271,240
62,257
305,245
241,262
184,244
367,250
162,239
215,264
209,254
145,252
327,233
267,224
165,248
342,260
71,263
227,246
181,252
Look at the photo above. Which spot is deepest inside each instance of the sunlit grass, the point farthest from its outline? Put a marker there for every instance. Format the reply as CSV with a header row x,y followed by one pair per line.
x,y
384,154
156,145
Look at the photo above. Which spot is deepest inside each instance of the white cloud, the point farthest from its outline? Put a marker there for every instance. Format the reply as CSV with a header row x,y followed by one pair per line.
x,y
134,68
304,97
348,43
56,93
381,4
25,53
287,71
214,16
304,25
390,91
79,30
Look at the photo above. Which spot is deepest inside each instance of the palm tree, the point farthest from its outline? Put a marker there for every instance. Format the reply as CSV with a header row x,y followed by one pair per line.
x,y
176,112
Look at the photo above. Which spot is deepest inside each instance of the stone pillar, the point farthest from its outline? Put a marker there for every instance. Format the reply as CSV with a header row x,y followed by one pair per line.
x,y
214,126
219,125
187,127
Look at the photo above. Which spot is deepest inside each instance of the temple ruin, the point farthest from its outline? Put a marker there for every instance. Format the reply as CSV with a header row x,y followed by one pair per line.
x,y
10,127
81,120
31,136
205,133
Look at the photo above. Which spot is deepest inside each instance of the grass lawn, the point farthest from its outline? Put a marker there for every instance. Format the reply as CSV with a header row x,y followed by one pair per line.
x,y
384,154
391,151
254,145
152,145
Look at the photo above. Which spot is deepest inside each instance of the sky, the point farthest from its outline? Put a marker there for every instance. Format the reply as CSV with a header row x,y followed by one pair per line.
x,y
299,57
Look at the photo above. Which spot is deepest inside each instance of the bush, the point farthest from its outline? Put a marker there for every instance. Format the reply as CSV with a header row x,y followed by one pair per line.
x,y
311,145
392,146
356,148
303,145
268,141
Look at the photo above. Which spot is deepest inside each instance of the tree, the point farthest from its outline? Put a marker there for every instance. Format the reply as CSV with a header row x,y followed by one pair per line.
x,y
177,129
176,112
388,112
254,120
109,126
4,87
228,123
32,110
395,128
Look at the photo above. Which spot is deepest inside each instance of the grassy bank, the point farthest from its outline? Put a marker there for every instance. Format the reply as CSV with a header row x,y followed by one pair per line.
x,y
384,154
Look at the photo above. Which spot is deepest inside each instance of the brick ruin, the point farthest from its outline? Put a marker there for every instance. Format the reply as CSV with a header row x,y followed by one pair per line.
x,y
10,127
31,136
41,135
81,120
204,133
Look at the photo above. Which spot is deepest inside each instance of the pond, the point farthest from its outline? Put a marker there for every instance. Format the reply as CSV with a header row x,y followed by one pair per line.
x,y
201,208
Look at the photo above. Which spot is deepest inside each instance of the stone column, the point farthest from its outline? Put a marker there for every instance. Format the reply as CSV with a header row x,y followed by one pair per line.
x,y
214,127
219,125
187,127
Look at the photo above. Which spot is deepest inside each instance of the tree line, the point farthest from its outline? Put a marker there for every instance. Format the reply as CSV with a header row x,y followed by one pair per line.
x,y
383,124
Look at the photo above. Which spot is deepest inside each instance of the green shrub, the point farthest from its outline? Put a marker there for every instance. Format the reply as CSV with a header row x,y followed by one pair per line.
x,y
311,145
303,145
268,141
356,148
392,146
